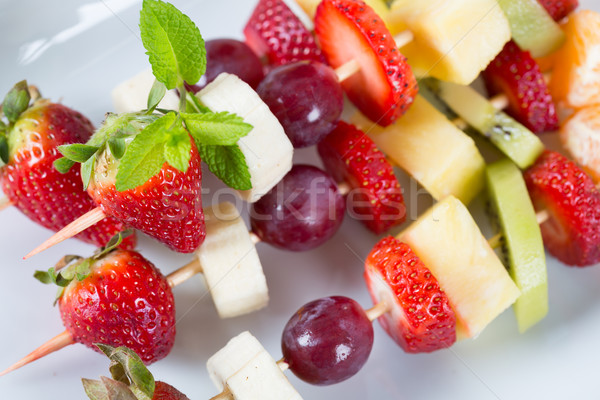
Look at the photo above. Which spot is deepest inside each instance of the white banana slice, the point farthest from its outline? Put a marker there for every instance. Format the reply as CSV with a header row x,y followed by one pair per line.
x,y
267,149
132,95
249,372
230,263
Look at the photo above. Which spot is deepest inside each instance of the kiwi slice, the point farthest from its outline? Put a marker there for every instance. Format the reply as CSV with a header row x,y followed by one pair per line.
x,y
532,27
513,139
522,240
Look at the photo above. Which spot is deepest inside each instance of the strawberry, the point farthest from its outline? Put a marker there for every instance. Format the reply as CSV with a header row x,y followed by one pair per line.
x,y
275,32
420,319
130,379
558,9
385,86
115,297
572,201
29,179
350,156
516,74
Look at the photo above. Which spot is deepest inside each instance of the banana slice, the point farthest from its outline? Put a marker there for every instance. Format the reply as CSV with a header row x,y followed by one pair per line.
x,y
249,372
230,263
132,95
267,149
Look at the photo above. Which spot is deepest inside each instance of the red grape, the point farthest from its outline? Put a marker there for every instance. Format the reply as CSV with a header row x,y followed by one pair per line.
x,y
306,98
327,340
301,212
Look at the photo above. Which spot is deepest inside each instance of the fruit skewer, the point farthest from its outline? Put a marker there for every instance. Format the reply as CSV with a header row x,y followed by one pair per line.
x,y
228,261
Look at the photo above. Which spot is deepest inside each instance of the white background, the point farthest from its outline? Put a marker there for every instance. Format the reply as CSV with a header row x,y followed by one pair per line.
x,y
76,51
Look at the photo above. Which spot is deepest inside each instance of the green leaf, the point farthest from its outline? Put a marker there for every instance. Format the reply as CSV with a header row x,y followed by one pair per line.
x,y
78,152
87,168
112,244
117,147
157,93
94,389
63,165
222,128
228,163
194,105
3,148
144,156
83,269
178,150
117,390
128,362
46,277
16,101
173,42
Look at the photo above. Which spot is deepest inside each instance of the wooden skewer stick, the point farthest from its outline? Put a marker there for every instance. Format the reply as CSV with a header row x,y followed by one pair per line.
x,y
85,221
5,203
56,343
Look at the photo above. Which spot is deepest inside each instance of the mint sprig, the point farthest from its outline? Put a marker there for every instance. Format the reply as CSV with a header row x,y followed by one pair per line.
x,y
228,164
174,44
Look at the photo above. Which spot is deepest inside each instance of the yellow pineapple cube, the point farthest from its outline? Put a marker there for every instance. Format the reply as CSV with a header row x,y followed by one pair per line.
x,y
379,6
453,40
432,150
448,241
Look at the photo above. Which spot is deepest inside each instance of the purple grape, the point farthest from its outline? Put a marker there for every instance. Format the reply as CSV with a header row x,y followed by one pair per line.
x,y
327,340
302,212
306,98
232,56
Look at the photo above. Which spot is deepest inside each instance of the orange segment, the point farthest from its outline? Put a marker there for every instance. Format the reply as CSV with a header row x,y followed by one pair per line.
x,y
581,137
576,75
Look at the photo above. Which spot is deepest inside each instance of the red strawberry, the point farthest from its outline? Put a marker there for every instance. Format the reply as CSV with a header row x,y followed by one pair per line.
x,y
420,319
136,382
32,184
385,86
351,156
559,9
275,32
569,196
124,301
167,207
115,297
516,74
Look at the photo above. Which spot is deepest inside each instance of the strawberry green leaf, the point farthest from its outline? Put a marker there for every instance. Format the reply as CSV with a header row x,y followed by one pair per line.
x,y
177,150
117,390
117,147
16,101
157,93
46,277
145,156
63,165
94,389
86,171
222,128
228,163
173,42
126,361
78,152
3,148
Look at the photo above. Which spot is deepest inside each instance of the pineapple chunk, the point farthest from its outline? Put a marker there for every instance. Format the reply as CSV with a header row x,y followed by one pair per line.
x,y
379,6
432,150
231,266
451,245
451,43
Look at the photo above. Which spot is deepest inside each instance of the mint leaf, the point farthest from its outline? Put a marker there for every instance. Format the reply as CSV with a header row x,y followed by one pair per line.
x,y
78,152
228,163
157,93
222,128
194,105
144,156
173,42
16,101
177,150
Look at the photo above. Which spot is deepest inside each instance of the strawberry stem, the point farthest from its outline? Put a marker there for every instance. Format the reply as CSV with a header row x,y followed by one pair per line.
x,y
56,343
182,98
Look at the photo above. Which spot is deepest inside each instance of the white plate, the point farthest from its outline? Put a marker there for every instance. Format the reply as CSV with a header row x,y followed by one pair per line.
x,y
76,51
